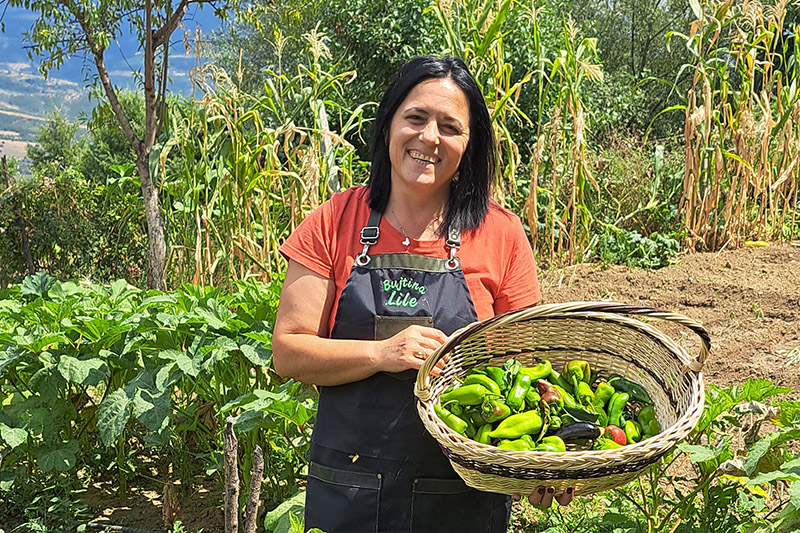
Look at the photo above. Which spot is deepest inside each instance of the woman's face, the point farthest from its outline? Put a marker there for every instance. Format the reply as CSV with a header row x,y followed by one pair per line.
x,y
428,135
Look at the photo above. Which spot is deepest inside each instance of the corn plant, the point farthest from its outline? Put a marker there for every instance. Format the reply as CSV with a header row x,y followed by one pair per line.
x,y
474,32
742,129
557,207
246,170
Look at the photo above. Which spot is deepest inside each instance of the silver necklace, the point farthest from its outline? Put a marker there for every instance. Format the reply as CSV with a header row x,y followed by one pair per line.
x,y
407,241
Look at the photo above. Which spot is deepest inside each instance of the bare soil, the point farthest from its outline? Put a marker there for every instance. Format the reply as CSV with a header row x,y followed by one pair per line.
x,y
748,300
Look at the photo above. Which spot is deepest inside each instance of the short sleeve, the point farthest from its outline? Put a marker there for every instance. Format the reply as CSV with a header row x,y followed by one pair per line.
x,y
520,283
311,244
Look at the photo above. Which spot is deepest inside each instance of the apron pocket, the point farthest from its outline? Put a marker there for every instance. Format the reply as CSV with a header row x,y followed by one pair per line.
x,y
450,505
341,501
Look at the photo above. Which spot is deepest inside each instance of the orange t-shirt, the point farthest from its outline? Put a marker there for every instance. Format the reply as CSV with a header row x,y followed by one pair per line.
x,y
497,259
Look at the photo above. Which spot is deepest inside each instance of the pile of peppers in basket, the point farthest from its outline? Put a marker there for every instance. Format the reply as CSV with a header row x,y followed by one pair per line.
x,y
537,408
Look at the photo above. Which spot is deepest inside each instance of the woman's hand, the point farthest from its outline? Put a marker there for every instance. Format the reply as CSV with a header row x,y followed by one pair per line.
x,y
409,348
544,496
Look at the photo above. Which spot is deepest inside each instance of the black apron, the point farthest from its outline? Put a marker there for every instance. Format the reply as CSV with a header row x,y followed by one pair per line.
x,y
374,467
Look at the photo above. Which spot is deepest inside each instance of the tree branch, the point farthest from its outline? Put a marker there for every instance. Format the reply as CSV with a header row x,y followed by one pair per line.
x,y
102,72
162,34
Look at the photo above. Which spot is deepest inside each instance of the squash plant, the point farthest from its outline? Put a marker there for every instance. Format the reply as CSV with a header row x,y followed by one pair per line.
x,y
82,364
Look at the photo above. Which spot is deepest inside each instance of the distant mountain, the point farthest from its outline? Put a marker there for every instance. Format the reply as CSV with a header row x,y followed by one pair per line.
x,y
26,97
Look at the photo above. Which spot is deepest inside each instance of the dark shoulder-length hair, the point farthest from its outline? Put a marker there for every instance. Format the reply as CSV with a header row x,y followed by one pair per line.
x,y
469,194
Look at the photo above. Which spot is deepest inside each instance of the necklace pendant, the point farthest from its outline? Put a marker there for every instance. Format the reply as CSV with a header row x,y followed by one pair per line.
x,y
406,242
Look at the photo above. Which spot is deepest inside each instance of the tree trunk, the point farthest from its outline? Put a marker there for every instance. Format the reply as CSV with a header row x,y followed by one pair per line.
x,y
156,246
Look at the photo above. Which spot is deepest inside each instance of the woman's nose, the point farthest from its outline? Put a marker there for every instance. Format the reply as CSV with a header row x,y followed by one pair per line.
x,y
430,133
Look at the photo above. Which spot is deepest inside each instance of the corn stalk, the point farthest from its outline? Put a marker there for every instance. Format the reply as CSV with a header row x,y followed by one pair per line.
x,y
251,169
741,133
557,206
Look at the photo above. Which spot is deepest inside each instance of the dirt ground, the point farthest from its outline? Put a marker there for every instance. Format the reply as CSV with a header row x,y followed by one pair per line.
x,y
748,300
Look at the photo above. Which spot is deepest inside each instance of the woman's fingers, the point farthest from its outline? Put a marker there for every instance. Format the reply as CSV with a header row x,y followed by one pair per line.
x,y
535,497
565,498
543,496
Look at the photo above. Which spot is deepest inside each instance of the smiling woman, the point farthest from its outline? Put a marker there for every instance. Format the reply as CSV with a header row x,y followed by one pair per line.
x,y
375,284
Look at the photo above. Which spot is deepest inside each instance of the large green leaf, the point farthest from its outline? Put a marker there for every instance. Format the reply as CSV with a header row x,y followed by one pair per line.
x,y
8,356
759,450
61,458
794,494
277,520
152,410
182,359
699,453
37,284
13,436
83,371
215,314
112,415
257,355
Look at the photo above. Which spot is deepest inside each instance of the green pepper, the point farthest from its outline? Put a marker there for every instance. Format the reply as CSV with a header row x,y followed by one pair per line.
x,y
518,425
482,435
539,371
556,379
654,427
497,374
636,392
646,413
605,444
602,394
466,394
568,399
454,407
579,369
584,394
484,380
633,431
476,416
555,423
532,398
552,444
517,445
452,421
528,440
516,396
493,410
615,406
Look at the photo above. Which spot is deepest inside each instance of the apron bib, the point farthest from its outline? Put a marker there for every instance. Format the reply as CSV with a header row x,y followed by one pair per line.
x,y
373,466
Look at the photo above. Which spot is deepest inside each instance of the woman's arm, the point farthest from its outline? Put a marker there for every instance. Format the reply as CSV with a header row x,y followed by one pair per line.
x,y
301,349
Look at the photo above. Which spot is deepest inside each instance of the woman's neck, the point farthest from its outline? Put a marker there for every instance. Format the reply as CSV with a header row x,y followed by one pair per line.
x,y
415,217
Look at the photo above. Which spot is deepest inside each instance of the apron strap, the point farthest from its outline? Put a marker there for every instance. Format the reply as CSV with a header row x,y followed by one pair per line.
x,y
371,232
369,236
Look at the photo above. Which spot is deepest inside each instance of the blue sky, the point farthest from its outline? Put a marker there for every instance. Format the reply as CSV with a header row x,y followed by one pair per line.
x,y
121,55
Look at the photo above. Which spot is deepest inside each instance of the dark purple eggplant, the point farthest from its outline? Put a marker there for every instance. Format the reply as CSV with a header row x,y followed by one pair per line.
x,y
579,431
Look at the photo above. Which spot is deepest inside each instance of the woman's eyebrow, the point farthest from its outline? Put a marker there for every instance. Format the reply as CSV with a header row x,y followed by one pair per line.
x,y
447,118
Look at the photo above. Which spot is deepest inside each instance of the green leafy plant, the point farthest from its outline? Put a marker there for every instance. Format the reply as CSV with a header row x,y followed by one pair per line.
x,y
81,364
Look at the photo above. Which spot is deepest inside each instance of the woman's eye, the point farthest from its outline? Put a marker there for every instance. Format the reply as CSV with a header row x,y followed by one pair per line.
x,y
451,129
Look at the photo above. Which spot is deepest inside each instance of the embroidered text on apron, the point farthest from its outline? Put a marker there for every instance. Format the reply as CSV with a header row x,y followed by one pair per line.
x,y
373,465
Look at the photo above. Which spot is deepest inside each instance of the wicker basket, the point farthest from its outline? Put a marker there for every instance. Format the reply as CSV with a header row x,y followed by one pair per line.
x,y
595,332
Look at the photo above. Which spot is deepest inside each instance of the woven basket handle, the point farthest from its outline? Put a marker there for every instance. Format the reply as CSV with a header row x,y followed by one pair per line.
x,y
423,376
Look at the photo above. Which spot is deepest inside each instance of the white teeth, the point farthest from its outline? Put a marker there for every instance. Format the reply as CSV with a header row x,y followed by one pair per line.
x,y
418,156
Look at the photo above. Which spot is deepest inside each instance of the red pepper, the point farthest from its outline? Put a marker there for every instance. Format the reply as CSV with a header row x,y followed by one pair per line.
x,y
617,435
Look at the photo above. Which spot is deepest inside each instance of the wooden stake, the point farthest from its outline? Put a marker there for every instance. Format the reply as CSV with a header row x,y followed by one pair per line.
x,y
231,479
256,477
